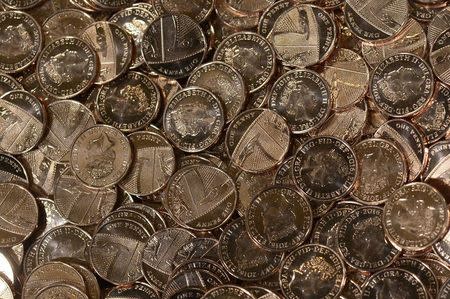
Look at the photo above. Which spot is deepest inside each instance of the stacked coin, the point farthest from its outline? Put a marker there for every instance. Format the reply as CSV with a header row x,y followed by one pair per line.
x,y
235,149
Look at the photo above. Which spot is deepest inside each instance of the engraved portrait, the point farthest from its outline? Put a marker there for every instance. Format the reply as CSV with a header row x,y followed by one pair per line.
x,y
15,41
246,59
402,84
101,158
65,67
434,117
193,119
408,211
393,289
367,240
300,103
278,218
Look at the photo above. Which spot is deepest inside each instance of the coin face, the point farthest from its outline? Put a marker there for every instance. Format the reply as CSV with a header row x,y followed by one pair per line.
x,y
440,50
8,83
408,204
62,291
440,269
6,289
262,293
138,290
257,140
21,4
51,217
200,197
303,98
12,171
193,119
303,35
438,24
401,85
66,22
312,271
383,171
437,171
279,219
394,282
112,4
128,103
250,54
198,248
173,45
325,168
198,10
201,279
101,156
271,14
444,292
228,292
92,287
361,242
150,213
67,67
242,257
21,38
133,215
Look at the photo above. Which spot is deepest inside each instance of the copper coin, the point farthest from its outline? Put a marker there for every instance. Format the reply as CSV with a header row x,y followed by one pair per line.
x,y
67,67
8,83
249,6
262,293
203,264
199,279
92,286
228,292
271,14
112,4
61,291
101,156
259,98
325,168
303,35
438,24
242,257
173,46
425,13
361,241
66,22
49,217
442,248
191,293
383,171
198,10
116,251
439,53
392,283
312,271
128,103
21,4
198,248
30,83
348,77
257,140
138,290
150,213
401,85
303,98
6,288
440,269
225,82
279,219
402,211
374,118
193,119
283,175
22,123
66,119
128,214
351,290
12,170
444,292
250,54
21,38
437,172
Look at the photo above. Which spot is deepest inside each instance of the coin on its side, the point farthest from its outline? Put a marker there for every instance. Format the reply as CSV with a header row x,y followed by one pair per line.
x,y
439,56
228,292
65,22
138,290
12,170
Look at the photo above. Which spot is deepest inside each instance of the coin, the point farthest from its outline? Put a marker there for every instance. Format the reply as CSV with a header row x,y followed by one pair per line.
x,y
198,10
21,4
325,168
203,264
257,140
61,291
200,279
138,290
425,13
394,282
312,271
198,248
383,171
66,22
125,214
271,14
150,213
191,293
31,84
108,160
440,269
262,293
8,83
437,171
438,24
6,289
303,98
350,291
243,258
21,40
92,287
360,240
29,261
66,67
279,219
173,58
402,99
250,54
12,171
228,292
112,4
403,209
283,175
438,56
303,35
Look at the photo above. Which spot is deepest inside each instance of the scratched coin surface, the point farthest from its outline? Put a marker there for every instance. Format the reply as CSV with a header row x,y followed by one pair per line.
x,y
303,35
439,56
303,98
250,54
383,170
401,85
361,241
403,210
200,197
66,22
279,219
18,214
138,290
66,67
312,271
173,45
228,292
12,170
8,83
21,41
325,168
101,156
257,140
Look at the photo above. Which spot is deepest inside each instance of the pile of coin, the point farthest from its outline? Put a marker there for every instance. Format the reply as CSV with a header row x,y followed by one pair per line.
x,y
235,149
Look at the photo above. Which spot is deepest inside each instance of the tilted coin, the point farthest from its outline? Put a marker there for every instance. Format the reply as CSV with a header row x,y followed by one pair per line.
x,y
438,24
403,210
29,260
199,279
259,98
262,293
444,292
283,175
249,6
128,103
351,291
425,13
66,22
374,119
173,45
383,171
190,160
21,38
67,67
30,83
303,98
21,4
392,283
198,248
168,87
191,293
61,291
138,290
101,156
250,54
51,217
361,241
92,286
401,85
249,185
312,271
325,168
8,83
228,292
193,119
440,269
233,20
6,289
12,171
200,197
439,56
242,257
198,10
257,140
303,35
112,4
125,214
271,14
9,267
437,172
203,264
150,213
279,219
